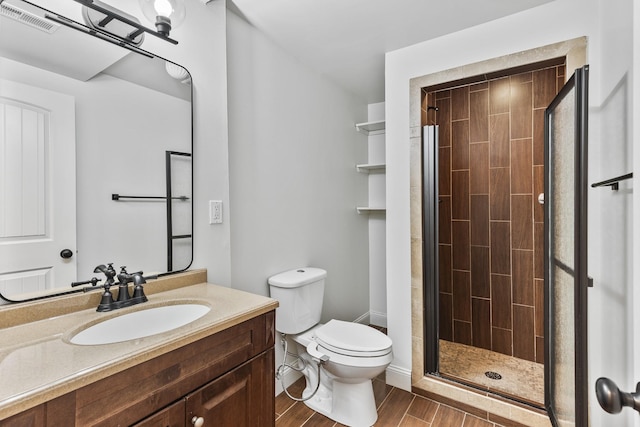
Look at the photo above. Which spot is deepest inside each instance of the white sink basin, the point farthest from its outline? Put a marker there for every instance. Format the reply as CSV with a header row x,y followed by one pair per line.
x,y
140,324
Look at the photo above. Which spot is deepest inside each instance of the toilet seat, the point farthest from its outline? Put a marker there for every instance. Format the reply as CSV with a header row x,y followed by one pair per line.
x,y
352,339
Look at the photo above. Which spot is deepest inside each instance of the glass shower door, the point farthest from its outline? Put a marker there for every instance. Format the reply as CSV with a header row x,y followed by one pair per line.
x,y
566,278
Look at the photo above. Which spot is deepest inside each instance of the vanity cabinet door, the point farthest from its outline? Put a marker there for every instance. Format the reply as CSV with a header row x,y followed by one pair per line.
x,y
173,416
244,397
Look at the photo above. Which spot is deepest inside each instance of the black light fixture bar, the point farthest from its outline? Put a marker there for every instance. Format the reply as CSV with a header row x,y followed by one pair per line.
x,y
97,33
135,34
90,4
105,21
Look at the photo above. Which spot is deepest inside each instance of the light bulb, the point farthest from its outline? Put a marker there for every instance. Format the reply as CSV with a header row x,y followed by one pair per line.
x,y
163,8
165,14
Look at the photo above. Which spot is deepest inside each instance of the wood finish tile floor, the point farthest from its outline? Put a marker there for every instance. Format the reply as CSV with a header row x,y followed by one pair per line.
x,y
396,408
520,379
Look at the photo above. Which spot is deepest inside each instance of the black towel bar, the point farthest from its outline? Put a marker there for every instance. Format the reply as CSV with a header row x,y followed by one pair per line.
x,y
120,197
613,182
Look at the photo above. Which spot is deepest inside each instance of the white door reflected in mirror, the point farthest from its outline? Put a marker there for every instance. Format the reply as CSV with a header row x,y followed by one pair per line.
x,y
37,189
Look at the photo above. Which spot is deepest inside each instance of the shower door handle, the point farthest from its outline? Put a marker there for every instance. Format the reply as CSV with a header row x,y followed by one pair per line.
x,y
612,399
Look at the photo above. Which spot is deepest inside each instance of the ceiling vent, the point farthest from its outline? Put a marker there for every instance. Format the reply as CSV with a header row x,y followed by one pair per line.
x,y
27,18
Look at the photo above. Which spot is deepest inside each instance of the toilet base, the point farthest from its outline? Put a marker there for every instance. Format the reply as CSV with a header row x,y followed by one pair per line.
x,y
351,404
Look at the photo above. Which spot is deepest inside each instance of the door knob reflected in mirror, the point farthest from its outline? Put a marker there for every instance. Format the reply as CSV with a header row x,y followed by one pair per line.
x,y
66,253
612,399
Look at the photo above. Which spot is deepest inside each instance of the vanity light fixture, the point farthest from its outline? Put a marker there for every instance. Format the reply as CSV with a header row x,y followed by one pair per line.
x,y
125,28
165,14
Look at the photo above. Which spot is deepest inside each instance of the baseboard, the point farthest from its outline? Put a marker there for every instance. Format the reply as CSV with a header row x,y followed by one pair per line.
x,y
365,319
399,377
378,319
373,318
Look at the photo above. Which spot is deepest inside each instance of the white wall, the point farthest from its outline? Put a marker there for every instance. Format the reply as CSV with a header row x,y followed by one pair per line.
x,y
608,28
202,50
294,187
292,149
120,148
635,142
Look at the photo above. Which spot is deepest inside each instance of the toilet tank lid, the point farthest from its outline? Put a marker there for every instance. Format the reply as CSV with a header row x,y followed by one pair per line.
x,y
297,277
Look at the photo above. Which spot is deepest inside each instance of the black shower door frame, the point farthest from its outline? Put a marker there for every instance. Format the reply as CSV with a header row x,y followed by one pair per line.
x,y
430,259
560,411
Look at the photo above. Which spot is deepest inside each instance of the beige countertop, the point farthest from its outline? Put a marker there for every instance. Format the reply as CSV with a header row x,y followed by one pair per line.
x,y
38,363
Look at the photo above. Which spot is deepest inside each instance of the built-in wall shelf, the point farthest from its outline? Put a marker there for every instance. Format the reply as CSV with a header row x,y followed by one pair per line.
x,y
371,128
366,168
368,210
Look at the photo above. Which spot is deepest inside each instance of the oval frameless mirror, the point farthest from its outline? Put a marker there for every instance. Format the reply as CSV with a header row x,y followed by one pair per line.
x,y
96,156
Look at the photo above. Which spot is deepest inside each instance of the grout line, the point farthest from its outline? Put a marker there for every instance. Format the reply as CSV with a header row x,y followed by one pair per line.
x,y
406,410
310,416
286,410
384,400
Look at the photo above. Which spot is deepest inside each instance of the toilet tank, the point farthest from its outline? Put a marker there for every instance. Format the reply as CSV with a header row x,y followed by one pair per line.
x,y
300,293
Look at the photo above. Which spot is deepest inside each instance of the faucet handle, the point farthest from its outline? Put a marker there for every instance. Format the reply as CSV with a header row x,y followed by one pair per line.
x,y
94,281
138,289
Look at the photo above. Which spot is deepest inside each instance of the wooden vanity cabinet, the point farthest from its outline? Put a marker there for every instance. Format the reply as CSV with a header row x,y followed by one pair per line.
x,y
226,378
173,416
236,399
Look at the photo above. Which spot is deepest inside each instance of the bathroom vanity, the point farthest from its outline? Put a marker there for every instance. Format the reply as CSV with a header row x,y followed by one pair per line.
x,y
218,369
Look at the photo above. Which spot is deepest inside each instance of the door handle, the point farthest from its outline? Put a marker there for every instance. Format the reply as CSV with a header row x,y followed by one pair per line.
x,y
66,253
612,399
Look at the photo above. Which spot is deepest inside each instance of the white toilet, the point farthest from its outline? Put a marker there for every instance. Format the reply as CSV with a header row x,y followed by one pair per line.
x,y
351,353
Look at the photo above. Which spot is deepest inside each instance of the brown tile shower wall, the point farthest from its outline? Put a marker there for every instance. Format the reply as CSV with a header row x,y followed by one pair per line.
x,y
491,243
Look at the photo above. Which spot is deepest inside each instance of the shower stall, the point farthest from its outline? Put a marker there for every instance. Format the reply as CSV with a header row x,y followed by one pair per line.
x,y
483,229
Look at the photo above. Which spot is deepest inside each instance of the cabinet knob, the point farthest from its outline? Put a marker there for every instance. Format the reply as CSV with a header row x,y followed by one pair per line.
x,y
197,421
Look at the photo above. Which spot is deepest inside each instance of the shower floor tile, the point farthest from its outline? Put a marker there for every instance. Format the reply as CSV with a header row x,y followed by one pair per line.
x,y
521,379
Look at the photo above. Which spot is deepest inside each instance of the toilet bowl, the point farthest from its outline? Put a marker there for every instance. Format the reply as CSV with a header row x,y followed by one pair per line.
x,y
346,356
345,393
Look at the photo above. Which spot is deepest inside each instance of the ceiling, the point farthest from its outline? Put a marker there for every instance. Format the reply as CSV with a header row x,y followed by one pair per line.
x,y
345,40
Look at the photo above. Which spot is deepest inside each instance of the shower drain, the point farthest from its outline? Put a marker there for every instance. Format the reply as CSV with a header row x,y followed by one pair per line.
x,y
493,375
